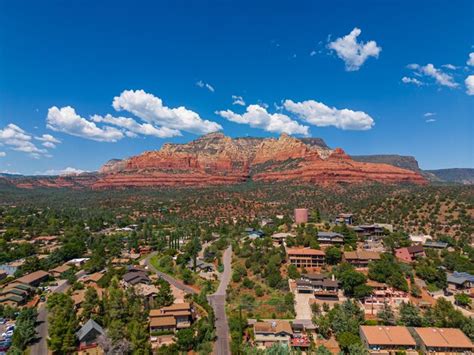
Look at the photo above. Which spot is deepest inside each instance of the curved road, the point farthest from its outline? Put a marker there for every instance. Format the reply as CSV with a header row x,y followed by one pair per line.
x,y
175,282
217,301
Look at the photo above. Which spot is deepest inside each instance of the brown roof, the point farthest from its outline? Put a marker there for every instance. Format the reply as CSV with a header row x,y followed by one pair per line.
x,y
156,313
305,251
163,322
387,335
361,255
95,277
273,327
78,297
444,338
177,307
60,269
33,277
415,248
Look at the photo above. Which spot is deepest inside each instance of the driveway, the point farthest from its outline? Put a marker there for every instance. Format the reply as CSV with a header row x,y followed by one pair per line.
x,y
302,307
217,301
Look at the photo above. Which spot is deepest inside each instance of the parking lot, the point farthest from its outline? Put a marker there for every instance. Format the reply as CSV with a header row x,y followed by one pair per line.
x,y
4,340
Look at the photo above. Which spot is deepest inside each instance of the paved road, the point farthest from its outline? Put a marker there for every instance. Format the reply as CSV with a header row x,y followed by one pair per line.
x,y
41,346
217,301
175,282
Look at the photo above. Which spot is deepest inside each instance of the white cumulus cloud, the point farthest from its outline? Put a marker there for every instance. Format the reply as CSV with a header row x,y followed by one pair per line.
x,y
354,53
429,70
408,80
18,139
321,115
257,116
151,109
133,128
469,84
66,120
48,141
470,61
238,100
3,154
429,114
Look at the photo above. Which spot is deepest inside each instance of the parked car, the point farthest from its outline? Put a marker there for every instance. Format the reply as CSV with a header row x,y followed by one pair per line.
x,y
3,320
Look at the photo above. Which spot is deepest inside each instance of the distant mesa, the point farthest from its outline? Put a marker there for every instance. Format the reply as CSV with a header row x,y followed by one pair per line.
x,y
215,159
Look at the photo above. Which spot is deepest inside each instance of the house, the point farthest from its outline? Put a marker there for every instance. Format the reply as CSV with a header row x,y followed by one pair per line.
x,y
420,239
34,278
78,297
344,218
148,292
89,334
330,238
255,234
201,266
46,240
58,271
273,332
360,258
306,257
171,318
78,262
279,238
435,245
369,231
410,254
382,295
442,341
460,281
387,339
15,294
321,286
135,276
92,279
3,275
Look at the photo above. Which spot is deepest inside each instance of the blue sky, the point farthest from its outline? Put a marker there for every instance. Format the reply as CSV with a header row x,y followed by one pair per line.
x,y
82,82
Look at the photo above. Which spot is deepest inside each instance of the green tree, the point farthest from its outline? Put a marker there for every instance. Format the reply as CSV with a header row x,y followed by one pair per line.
x,y
462,299
293,272
410,315
90,305
386,315
25,330
62,323
333,255
165,295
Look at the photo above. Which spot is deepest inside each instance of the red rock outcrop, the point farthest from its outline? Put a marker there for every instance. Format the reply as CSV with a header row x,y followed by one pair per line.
x,y
215,159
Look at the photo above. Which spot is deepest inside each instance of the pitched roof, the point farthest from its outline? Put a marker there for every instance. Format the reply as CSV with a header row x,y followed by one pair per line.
x,y
361,255
387,335
460,277
444,338
34,276
60,269
86,328
163,322
273,327
415,248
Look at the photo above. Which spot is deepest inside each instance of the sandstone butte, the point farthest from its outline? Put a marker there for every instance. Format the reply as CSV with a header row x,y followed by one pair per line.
x,y
215,159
